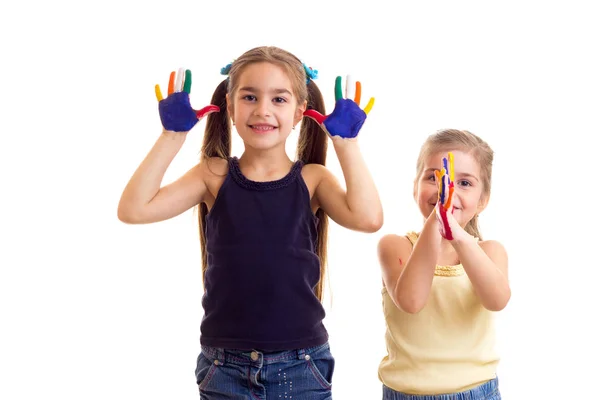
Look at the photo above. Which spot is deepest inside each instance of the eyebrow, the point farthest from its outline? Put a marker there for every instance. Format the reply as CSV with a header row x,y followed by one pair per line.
x,y
456,174
466,175
254,90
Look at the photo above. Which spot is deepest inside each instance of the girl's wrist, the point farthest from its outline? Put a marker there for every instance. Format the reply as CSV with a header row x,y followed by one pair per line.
x,y
172,135
462,240
432,227
341,143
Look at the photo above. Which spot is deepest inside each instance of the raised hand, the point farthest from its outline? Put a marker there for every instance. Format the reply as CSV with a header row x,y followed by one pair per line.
x,y
444,210
347,117
176,112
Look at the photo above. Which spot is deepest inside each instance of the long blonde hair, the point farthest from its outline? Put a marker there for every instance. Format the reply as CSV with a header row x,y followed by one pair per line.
x,y
312,141
454,139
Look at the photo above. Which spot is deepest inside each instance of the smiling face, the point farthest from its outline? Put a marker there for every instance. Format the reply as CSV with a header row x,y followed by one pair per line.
x,y
469,197
263,106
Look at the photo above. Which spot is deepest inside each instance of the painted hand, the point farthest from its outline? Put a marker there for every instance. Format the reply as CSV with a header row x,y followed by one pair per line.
x,y
176,112
347,117
444,210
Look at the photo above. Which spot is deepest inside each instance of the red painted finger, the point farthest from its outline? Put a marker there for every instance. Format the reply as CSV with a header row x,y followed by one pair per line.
x,y
203,112
315,115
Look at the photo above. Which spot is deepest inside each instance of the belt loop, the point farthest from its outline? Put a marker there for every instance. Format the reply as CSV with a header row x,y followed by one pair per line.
x,y
300,353
221,355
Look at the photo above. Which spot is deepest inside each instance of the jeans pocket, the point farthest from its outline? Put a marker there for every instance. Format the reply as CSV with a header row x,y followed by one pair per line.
x,y
205,369
322,365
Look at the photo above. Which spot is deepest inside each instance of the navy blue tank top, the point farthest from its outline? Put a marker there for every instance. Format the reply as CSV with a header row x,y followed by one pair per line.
x,y
262,266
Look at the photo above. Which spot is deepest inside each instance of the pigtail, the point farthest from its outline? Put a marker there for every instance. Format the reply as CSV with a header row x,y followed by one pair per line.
x,y
217,143
217,134
312,149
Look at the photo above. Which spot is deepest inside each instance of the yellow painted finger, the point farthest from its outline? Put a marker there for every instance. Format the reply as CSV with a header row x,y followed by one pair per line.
x,y
158,93
451,166
369,105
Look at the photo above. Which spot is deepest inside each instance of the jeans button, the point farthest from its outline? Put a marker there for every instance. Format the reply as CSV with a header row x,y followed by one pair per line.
x,y
254,356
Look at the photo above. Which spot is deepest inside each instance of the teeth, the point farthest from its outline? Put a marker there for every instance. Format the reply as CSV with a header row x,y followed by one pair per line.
x,y
262,127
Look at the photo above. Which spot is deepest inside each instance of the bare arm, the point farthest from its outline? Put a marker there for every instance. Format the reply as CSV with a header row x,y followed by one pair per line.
x,y
144,201
393,251
486,264
414,283
359,207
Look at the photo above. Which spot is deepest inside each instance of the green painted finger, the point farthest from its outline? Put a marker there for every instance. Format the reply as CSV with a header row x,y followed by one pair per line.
x,y
187,86
338,88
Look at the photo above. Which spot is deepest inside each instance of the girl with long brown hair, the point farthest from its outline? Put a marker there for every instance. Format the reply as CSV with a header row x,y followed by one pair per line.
x,y
263,219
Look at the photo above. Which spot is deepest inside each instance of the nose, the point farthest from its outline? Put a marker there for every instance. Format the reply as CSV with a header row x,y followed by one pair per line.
x,y
262,108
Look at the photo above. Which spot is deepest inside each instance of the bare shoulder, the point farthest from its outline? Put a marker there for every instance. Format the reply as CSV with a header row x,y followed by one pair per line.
x,y
392,244
393,252
315,171
212,171
209,169
313,174
493,247
213,167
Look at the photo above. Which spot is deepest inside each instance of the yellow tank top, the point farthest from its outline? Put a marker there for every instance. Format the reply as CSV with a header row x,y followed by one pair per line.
x,y
447,347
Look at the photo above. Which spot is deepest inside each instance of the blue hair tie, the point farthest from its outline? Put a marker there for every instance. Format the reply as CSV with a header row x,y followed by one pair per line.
x,y
310,73
225,70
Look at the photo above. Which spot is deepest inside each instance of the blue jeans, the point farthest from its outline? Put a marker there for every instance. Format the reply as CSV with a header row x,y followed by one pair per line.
x,y
486,391
254,375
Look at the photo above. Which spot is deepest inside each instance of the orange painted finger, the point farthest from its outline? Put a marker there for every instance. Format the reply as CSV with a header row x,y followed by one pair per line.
x,y
449,200
171,83
439,173
357,93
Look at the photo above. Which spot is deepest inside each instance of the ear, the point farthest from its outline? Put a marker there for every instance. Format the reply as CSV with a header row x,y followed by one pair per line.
x,y
300,112
415,190
483,202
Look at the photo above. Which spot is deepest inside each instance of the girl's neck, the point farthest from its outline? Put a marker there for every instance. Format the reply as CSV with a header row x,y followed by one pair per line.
x,y
261,165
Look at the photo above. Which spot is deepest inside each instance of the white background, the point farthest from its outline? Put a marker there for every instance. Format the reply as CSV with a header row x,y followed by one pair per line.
x,y
91,308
